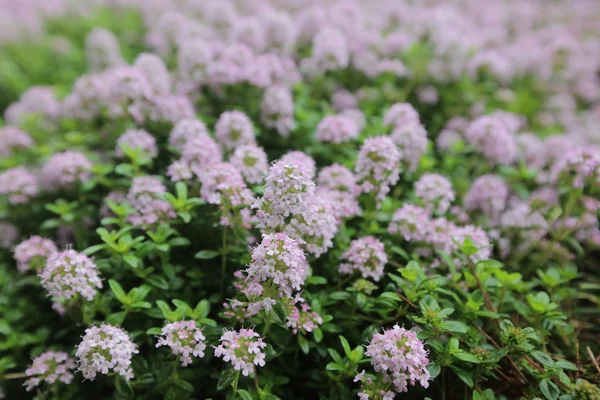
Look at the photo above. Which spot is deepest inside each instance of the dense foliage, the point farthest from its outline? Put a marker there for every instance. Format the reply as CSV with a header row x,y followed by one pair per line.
x,y
298,200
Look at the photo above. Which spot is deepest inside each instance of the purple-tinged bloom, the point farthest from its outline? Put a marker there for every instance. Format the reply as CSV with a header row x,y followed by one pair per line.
x,y
19,185
68,274
244,349
337,129
13,138
105,349
277,109
33,252
137,139
435,191
252,162
378,166
185,339
234,129
65,169
50,367
365,255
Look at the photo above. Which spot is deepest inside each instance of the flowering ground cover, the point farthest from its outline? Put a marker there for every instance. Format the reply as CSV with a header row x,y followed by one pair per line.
x,y
278,199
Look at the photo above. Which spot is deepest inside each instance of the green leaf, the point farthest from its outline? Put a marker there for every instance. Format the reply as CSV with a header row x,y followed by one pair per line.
x,y
184,385
226,379
346,346
466,377
94,249
158,281
279,314
141,304
454,326
202,309
116,318
303,344
154,331
467,357
206,254
401,252
118,291
549,389
335,355
131,260
542,358
434,370
335,367
318,335
185,216
164,307
124,389
569,366
316,280
245,395
429,302
390,296
357,354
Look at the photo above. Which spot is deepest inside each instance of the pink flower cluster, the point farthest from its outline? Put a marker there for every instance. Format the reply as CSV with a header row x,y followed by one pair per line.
x,y
149,211
19,185
68,274
411,140
578,167
277,109
223,184
315,228
411,222
102,50
199,152
279,260
300,159
37,100
185,339
105,349
243,349
288,191
365,255
337,129
400,357
301,318
400,115
337,184
489,195
50,367
234,129
13,138
9,234
491,137
378,166
33,252
137,139
252,162
65,169
435,191
184,131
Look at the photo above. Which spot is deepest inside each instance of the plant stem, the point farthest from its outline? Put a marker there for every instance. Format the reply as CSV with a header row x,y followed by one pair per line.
x,y
235,385
223,260
267,326
14,375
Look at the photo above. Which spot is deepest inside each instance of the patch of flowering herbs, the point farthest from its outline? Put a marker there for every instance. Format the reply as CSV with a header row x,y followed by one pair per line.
x,y
300,200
